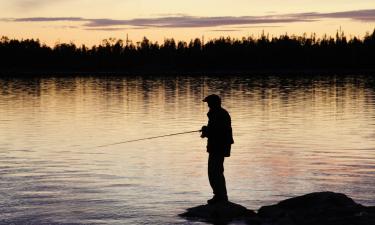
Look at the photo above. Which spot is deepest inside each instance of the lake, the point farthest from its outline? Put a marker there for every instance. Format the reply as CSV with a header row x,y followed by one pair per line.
x,y
293,135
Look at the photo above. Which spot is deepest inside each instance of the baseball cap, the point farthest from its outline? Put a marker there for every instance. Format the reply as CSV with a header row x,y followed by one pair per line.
x,y
212,98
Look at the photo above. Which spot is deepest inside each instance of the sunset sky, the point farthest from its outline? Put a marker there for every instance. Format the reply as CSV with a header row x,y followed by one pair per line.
x,y
90,21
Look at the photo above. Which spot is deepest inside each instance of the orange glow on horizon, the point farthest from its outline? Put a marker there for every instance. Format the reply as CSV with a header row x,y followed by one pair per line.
x,y
331,16
53,34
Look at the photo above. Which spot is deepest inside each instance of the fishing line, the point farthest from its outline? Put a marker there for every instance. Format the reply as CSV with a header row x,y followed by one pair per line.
x,y
148,138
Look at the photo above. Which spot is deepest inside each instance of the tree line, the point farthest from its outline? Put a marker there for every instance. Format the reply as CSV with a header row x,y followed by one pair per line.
x,y
221,54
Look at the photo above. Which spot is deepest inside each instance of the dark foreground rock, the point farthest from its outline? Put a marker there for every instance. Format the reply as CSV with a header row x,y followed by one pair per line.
x,y
219,213
321,208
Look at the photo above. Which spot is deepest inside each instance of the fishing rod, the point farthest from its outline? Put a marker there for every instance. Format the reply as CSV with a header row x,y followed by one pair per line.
x,y
148,138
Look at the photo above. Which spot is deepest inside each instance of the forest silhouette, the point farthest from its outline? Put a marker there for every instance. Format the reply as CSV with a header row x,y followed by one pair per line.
x,y
299,53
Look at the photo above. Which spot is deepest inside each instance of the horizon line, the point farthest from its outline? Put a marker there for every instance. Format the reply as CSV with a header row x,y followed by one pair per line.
x,y
113,40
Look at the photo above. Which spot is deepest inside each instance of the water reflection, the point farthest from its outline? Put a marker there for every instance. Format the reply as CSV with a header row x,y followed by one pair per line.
x,y
293,136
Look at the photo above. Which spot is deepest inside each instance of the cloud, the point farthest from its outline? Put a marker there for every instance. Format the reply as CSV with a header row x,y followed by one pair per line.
x,y
48,19
164,22
184,21
362,15
191,22
114,28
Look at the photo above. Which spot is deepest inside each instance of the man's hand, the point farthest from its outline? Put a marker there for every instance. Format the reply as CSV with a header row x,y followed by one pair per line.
x,y
204,131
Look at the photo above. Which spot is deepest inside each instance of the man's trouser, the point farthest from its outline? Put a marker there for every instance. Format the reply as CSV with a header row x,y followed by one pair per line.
x,y
216,175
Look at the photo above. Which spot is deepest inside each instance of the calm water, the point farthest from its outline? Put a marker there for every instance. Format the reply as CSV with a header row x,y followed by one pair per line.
x,y
292,136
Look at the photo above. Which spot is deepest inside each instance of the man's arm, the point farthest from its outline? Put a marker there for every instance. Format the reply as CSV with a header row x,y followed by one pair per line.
x,y
204,132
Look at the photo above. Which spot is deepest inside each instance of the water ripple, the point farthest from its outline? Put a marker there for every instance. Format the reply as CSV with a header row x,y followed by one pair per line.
x,y
292,136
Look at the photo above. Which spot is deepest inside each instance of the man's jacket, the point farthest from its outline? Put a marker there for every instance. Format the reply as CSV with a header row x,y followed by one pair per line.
x,y
219,132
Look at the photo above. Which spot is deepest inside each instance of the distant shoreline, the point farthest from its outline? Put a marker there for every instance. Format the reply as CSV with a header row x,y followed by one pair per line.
x,y
255,72
283,55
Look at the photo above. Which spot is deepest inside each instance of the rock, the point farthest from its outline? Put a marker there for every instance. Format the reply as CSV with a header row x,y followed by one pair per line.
x,y
219,213
323,208
320,208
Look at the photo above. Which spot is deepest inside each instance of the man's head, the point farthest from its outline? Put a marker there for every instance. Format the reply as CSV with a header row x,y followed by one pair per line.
x,y
213,101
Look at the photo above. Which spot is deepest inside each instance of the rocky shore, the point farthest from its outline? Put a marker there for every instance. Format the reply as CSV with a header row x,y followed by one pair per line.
x,y
320,208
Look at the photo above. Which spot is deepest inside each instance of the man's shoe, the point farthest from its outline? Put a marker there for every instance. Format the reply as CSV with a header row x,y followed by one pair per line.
x,y
216,199
212,200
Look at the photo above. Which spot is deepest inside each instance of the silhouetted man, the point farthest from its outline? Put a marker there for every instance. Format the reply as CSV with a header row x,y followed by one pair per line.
x,y
219,134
